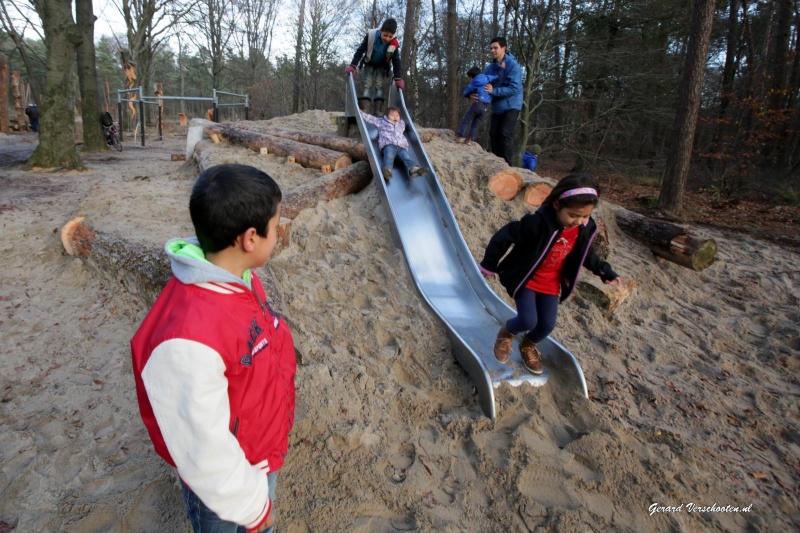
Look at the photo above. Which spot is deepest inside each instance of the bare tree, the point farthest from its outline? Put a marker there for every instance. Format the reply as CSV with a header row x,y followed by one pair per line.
x,y
215,21
16,19
325,20
93,138
57,132
680,153
298,51
453,65
257,23
148,24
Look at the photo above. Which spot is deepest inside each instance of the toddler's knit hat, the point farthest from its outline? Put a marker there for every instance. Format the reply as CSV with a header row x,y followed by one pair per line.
x,y
389,25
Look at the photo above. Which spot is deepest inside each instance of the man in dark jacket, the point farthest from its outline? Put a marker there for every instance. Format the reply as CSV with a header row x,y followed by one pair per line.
x,y
506,93
378,54
33,115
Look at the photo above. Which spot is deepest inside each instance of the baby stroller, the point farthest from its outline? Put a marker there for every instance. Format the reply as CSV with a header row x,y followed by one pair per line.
x,y
110,130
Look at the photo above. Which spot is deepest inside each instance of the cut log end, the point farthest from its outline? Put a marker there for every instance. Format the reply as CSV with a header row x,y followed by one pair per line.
x,y
505,184
343,161
536,193
66,234
705,254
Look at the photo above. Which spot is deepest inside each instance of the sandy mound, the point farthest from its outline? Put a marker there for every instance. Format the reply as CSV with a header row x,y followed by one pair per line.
x,y
693,381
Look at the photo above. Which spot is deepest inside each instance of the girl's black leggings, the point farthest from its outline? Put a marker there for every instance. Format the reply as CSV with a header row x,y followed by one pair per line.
x,y
536,314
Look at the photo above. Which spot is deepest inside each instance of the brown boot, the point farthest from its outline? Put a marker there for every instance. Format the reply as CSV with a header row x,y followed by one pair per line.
x,y
531,356
364,104
502,346
378,107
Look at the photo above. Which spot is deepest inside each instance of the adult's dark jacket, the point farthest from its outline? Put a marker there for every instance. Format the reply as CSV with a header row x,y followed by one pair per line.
x,y
33,112
532,237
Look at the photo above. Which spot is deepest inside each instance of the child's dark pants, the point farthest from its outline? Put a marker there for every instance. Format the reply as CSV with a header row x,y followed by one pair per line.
x,y
472,119
536,314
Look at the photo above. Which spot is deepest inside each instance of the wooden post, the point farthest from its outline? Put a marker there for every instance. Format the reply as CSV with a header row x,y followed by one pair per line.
x,y
16,88
5,124
130,83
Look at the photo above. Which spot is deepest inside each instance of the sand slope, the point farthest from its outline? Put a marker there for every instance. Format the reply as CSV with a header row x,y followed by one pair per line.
x,y
693,380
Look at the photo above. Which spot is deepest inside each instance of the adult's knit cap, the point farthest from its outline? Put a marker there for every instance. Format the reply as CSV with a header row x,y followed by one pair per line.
x,y
389,25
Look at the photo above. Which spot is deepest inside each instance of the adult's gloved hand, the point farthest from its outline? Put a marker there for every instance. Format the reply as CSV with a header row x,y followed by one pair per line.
x,y
400,84
350,69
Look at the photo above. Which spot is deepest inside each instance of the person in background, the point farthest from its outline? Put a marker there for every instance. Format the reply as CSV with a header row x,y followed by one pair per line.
x,y
549,248
33,115
214,365
530,158
472,118
379,56
392,143
506,94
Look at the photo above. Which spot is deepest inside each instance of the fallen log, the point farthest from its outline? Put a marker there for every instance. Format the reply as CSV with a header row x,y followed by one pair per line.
x,y
353,147
669,241
307,155
501,179
605,296
536,193
347,180
202,155
141,269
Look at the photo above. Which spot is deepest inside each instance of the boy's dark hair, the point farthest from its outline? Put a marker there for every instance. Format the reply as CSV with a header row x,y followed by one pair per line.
x,y
389,25
574,181
392,108
474,71
500,40
228,199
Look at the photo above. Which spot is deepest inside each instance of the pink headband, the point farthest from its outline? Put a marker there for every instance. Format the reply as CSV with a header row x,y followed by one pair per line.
x,y
573,192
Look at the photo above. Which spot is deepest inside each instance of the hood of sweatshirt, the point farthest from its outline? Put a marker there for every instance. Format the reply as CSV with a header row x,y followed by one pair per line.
x,y
189,264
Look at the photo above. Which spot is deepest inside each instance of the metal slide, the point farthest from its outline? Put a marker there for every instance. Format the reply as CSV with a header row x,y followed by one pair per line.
x,y
447,275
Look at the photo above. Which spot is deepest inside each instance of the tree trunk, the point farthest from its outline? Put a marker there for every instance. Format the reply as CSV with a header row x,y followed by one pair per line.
x,y
57,125
669,241
5,123
452,92
408,46
680,153
93,138
347,180
307,155
298,63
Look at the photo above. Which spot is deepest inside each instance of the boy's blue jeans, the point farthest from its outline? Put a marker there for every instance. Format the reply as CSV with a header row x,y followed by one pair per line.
x,y
390,151
536,314
472,119
204,520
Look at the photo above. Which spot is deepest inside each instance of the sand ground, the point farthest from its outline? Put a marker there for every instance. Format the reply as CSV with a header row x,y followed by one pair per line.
x,y
693,381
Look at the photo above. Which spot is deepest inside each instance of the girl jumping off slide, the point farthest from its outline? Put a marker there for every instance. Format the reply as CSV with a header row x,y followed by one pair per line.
x,y
549,248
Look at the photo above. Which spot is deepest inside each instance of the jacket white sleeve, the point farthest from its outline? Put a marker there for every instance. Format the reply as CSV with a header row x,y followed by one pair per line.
x,y
187,388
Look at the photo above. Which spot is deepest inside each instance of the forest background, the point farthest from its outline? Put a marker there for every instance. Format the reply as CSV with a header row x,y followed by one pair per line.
x,y
601,78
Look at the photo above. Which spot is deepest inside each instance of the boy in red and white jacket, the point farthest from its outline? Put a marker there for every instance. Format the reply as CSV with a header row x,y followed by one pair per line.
x,y
214,365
